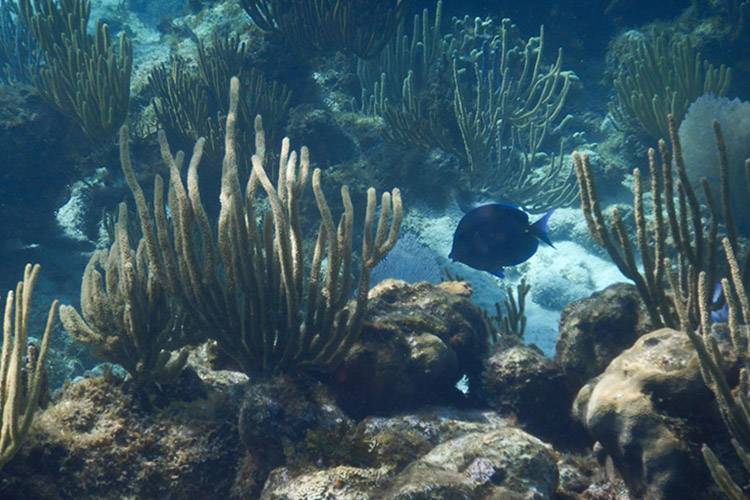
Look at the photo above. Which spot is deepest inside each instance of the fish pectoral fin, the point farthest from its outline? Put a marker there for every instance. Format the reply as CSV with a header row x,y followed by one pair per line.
x,y
499,273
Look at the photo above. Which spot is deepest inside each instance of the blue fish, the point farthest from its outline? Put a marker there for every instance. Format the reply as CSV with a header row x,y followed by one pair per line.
x,y
719,306
493,236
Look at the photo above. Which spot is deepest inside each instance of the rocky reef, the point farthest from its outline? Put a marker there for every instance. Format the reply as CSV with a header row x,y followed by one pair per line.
x,y
267,195
216,434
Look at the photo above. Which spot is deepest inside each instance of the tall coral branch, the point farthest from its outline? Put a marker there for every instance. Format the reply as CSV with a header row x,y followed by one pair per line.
x,y
355,26
18,398
128,317
691,244
85,76
495,111
733,402
246,285
661,76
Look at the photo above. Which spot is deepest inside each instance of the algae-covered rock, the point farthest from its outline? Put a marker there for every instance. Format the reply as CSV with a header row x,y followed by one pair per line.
x,y
593,331
96,440
318,130
438,452
340,482
504,463
400,439
282,410
418,341
519,380
651,410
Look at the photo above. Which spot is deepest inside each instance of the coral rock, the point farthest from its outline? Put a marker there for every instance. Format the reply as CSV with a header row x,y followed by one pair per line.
x,y
593,331
418,341
283,410
317,128
504,463
435,453
650,410
519,380
341,482
96,441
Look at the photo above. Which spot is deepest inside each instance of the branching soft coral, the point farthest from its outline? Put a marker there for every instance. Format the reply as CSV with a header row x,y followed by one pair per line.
x,y
20,387
246,284
128,318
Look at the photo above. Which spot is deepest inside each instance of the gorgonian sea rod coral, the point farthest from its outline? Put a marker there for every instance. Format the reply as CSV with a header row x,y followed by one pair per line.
x,y
482,93
246,285
21,387
354,26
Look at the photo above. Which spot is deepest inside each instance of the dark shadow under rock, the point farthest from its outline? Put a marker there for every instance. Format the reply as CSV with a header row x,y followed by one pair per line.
x,y
35,165
277,417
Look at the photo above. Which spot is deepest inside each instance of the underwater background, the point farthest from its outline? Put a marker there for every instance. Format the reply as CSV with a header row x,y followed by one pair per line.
x,y
375,249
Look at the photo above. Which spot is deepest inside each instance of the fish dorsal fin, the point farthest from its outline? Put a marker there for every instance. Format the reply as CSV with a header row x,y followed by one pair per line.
x,y
540,228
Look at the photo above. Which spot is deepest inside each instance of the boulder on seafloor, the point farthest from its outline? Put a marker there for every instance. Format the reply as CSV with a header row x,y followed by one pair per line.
x,y
650,410
504,463
593,331
97,440
399,440
417,343
453,454
519,380
282,410
341,482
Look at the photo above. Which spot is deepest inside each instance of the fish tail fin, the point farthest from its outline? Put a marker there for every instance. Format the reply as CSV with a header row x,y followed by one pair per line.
x,y
541,227
718,296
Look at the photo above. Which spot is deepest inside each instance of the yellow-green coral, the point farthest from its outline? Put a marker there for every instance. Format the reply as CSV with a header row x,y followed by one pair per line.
x,y
128,318
246,284
481,93
673,229
20,388
191,102
662,75
85,76
733,402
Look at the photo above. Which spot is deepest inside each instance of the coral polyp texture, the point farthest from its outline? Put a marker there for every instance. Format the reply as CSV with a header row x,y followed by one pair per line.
x,y
128,318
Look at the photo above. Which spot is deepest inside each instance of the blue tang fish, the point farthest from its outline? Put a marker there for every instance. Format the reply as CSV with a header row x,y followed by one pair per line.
x,y
493,236
719,306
